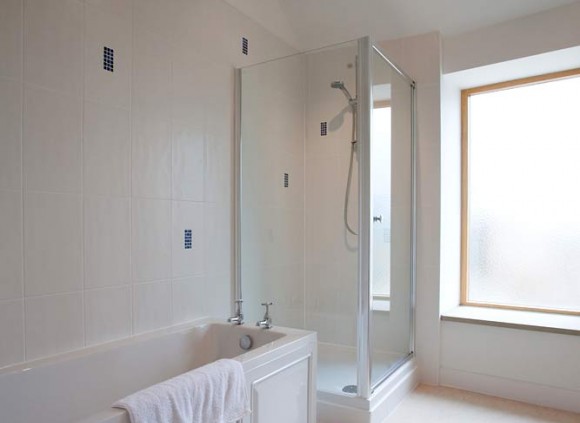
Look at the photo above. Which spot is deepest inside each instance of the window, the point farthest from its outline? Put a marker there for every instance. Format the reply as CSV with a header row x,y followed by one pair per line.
x,y
520,230
381,226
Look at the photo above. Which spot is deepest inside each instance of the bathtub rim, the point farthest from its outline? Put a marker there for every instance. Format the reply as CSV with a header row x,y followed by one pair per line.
x,y
288,336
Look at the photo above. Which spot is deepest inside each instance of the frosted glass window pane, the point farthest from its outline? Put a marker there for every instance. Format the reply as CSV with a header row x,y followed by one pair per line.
x,y
381,181
524,196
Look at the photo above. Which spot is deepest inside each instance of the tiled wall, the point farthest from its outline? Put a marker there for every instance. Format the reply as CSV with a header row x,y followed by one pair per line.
x,y
102,172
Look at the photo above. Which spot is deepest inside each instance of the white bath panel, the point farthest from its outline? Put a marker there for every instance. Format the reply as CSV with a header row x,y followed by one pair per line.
x,y
282,397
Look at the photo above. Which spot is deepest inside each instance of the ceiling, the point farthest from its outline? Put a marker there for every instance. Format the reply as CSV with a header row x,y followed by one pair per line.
x,y
307,24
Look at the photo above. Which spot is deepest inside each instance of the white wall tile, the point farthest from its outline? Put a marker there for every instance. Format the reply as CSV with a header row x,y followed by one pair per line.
x,y
158,16
219,294
218,238
151,115
189,299
108,26
54,324
120,8
10,38
151,172
53,243
52,141
151,239
107,314
53,44
152,71
10,245
189,74
107,241
218,165
92,161
11,332
152,306
107,150
188,155
10,136
187,262
198,29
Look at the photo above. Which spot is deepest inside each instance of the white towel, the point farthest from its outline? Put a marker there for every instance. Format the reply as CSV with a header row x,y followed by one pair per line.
x,y
215,393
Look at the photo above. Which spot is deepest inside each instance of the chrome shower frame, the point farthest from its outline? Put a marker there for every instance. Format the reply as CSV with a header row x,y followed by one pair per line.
x,y
363,102
366,47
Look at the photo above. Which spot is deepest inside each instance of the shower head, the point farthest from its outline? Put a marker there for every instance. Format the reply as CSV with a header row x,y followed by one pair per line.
x,y
340,85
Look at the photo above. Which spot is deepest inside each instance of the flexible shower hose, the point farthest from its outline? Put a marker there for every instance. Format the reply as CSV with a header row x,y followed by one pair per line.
x,y
348,182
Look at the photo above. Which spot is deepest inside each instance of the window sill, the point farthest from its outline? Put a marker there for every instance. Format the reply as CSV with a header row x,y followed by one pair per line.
x,y
381,303
527,320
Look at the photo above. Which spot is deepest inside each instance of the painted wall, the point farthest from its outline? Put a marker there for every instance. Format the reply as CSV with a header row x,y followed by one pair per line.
x,y
524,365
102,172
545,31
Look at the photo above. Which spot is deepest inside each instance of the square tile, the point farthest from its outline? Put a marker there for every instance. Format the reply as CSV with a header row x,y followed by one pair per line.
x,y
107,314
189,299
11,332
107,151
10,136
10,39
52,141
10,245
53,44
188,216
107,241
54,324
106,30
152,306
53,243
151,239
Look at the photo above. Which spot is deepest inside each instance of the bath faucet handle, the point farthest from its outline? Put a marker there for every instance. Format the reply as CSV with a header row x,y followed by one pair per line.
x,y
266,322
267,305
238,318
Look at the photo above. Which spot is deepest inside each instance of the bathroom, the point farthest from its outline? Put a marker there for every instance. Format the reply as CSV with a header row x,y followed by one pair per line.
x,y
122,186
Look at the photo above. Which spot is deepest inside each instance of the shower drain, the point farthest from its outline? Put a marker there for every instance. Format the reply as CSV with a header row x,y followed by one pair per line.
x,y
349,389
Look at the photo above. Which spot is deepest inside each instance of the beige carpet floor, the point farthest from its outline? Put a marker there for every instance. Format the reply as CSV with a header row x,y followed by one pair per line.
x,y
432,404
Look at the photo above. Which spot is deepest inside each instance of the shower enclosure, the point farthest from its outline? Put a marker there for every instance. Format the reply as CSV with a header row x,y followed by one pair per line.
x,y
326,211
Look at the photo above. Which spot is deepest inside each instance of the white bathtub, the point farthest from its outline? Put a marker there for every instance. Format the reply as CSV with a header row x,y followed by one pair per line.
x,y
81,386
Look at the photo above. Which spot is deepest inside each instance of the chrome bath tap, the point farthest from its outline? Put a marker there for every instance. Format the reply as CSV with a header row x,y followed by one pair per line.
x,y
238,318
265,323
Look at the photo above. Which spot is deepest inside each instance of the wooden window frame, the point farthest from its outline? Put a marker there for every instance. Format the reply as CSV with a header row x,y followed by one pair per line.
x,y
465,95
381,104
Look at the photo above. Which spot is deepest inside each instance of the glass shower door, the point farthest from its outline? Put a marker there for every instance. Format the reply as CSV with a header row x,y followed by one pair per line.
x,y
391,225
